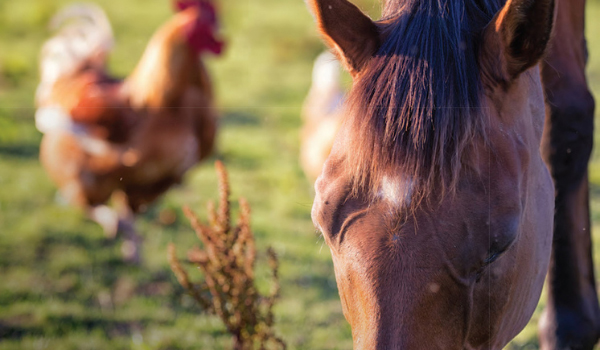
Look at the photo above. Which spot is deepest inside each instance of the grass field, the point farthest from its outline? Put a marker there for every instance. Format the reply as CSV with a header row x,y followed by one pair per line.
x,y
63,285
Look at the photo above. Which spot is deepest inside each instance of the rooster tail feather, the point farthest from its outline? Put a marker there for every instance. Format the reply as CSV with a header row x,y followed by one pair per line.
x,y
83,37
326,92
326,72
91,20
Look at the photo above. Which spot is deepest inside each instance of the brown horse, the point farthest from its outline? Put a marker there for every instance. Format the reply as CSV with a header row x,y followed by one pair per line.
x,y
435,201
572,317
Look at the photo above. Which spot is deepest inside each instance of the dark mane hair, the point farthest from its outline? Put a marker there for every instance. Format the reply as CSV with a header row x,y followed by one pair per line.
x,y
411,109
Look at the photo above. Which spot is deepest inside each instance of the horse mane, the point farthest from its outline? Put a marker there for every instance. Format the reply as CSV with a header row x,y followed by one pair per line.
x,y
412,109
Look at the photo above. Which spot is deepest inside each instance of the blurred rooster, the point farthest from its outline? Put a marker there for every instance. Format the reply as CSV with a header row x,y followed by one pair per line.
x,y
128,139
321,114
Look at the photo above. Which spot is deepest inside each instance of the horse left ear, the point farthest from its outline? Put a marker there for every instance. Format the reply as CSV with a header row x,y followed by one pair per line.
x,y
523,28
353,35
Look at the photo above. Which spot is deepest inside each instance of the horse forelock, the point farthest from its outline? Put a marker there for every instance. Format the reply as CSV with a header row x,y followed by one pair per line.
x,y
414,109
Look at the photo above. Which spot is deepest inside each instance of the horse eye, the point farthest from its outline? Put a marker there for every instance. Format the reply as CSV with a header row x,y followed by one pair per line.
x,y
315,222
492,257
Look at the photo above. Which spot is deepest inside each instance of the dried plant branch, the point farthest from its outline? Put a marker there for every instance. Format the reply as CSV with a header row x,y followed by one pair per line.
x,y
184,280
227,261
224,209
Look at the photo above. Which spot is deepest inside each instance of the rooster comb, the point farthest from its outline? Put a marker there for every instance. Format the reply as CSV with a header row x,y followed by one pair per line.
x,y
181,5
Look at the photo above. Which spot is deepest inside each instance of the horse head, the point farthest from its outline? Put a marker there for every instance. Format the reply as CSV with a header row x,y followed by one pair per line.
x,y
435,202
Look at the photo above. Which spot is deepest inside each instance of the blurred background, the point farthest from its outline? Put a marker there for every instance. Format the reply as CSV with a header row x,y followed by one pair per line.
x,y
63,285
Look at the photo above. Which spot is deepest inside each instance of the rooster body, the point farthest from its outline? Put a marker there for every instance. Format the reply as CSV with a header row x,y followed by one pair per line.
x,y
136,136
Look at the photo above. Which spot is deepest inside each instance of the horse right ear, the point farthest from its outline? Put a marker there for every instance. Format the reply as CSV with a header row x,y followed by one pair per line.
x,y
350,33
523,29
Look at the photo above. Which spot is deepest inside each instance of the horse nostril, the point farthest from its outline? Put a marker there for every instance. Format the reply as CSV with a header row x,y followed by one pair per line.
x,y
318,228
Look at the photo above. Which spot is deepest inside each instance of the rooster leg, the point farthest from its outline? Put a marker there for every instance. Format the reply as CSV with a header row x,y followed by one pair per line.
x,y
132,241
131,247
105,217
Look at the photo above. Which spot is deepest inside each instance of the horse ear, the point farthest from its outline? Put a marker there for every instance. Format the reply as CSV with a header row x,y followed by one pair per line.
x,y
523,28
353,35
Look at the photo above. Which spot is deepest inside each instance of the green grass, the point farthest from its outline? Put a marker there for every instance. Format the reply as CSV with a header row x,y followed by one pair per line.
x,y
63,286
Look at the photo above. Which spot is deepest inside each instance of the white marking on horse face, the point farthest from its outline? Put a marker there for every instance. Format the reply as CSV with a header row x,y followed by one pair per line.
x,y
434,287
396,191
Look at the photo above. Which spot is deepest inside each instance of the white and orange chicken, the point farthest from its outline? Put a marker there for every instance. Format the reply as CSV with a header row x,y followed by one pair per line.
x,y
321,114
127,139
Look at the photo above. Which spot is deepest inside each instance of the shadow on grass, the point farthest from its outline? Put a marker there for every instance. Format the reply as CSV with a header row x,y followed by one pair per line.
x,y
28,151
594,193
528,346
325,285
9,331
63,325
86,241
594,190
239,118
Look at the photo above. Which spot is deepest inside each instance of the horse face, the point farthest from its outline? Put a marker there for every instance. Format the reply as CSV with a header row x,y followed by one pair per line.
x,y
455,268
465,272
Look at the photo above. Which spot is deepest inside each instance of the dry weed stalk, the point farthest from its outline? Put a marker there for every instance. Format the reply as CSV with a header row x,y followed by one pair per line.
x,y
227,262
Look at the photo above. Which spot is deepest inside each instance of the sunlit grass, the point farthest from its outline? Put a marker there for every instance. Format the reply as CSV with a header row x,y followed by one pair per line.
x,y
63,286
